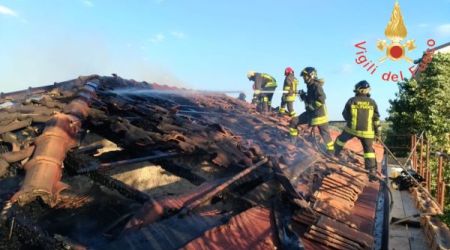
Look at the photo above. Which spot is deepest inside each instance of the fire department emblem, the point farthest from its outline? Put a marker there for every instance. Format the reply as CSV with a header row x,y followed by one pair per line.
x,y
396,32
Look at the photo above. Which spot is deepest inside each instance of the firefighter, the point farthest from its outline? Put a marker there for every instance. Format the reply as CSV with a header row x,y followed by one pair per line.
x,y
363,122
289,92
316,111
264,86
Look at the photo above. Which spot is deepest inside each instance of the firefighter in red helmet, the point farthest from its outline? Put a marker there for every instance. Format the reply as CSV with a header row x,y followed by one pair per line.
x,y
289,92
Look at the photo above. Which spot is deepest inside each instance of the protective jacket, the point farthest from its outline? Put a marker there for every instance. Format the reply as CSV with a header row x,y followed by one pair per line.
x,y
290,85
263,80
315,103
361,114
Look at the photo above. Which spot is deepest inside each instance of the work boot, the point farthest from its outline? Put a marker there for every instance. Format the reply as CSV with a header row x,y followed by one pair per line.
x,y
337,153
260,107
264,108
344,159
373,175
330,153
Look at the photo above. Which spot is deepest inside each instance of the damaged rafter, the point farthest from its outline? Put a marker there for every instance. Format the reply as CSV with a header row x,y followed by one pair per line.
x,y
102,167
119,186
91,165
219,188
180,171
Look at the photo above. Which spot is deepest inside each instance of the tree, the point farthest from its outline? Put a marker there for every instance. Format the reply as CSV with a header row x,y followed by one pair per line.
x,y
423,104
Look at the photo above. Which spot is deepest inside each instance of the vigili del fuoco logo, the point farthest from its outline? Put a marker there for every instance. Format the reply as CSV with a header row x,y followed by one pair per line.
x,y
395,50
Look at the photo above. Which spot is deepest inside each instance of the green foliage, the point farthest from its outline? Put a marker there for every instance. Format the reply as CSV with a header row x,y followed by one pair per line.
x,y
445,217
423,104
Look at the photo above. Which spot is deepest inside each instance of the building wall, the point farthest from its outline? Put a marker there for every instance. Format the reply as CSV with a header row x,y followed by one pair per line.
x,y
444,50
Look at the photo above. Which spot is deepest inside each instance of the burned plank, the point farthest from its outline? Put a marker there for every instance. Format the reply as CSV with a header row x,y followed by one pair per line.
x,y
181,171
192,205
109,165
15,125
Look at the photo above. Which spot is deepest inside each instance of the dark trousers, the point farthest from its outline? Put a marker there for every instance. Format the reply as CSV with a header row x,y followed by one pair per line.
x,y
369,153
265,99
290,105
255,99
305,118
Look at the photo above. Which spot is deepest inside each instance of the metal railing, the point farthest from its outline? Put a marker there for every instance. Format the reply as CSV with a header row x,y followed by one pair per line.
x,y
432,170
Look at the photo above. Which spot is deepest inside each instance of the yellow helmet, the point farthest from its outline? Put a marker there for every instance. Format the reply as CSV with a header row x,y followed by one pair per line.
x,y
250,74
310,72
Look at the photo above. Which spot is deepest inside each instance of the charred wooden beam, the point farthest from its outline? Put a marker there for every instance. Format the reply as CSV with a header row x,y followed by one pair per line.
x,y
219,188
120,187
109,165
74,161
89,149
180,171
94,165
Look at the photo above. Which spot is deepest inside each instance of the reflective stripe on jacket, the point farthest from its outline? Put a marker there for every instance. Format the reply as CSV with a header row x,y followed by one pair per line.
x,y
263,80
315,97
290,85
361,114
268,81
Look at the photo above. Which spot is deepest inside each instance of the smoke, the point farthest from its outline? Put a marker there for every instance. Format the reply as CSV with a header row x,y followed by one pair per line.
x,y
41,62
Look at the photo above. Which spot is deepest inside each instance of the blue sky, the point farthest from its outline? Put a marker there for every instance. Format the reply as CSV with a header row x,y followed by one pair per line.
x,y
209,45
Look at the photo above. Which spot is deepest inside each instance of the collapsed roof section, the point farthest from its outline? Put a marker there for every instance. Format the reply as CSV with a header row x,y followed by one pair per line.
x,y
249,186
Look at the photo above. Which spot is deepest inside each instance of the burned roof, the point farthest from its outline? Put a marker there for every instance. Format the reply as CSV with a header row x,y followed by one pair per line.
x,y
236,180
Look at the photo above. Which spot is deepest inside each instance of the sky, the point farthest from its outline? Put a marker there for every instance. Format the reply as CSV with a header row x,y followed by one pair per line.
x,y
210,45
